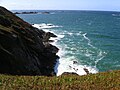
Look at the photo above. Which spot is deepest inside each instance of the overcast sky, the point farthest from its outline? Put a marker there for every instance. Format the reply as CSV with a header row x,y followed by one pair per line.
x,y
106,5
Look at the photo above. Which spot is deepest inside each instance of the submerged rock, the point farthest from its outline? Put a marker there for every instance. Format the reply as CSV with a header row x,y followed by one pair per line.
x,y
22,47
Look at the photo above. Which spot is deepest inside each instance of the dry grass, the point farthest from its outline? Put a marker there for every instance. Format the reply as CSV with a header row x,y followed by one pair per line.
x,y
100,81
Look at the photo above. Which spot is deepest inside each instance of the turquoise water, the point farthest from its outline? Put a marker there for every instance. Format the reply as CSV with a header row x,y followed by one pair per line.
x,y
90,37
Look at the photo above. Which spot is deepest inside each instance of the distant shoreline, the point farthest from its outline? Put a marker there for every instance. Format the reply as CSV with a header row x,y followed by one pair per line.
x,y
31,12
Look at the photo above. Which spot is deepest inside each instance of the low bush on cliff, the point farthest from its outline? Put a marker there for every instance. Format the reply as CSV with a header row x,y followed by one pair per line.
x,y
100,81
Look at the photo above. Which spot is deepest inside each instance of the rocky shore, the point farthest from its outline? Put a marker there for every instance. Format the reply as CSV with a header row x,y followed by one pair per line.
x,y
24,50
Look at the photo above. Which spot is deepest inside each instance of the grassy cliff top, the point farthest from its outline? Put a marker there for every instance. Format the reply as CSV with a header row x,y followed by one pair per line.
x,y
100,81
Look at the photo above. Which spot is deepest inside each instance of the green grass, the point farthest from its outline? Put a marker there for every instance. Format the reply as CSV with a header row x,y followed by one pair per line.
x,y
100,81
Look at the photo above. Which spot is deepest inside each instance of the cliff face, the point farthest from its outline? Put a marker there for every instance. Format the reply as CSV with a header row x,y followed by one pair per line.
x,y
24,50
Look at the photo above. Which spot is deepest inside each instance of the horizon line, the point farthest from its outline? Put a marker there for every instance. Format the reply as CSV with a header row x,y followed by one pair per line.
x,y
66,10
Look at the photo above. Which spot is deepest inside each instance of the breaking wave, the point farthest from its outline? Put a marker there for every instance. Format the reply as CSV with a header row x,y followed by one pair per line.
x,y
45,26
68,49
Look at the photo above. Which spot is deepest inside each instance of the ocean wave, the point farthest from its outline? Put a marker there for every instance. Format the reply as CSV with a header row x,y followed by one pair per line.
x,y
115,15
97,54
68,55
66,64
100,56
89,41
45,26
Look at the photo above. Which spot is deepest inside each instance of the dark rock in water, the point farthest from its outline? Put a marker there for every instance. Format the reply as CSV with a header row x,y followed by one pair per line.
x,y
69,73
24,50
75,62
86,70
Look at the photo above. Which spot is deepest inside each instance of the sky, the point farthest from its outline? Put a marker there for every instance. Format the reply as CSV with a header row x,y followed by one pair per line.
x,y
104,5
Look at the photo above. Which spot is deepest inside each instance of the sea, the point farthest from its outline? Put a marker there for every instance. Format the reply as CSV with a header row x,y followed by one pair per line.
x,y
86,39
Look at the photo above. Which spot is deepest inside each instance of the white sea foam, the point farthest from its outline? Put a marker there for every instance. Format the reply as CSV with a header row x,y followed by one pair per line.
x,y
79,33
45,26
66,63
99,53
70,34
89,41
100,56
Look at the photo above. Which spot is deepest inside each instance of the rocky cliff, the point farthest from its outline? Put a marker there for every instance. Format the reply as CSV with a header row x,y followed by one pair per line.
x,y
24,50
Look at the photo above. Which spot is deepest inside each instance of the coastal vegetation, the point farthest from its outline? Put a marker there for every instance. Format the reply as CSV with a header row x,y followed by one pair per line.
x,y
100,81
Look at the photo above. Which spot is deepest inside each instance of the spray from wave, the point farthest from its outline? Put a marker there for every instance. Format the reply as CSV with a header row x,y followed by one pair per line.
x,y
68,61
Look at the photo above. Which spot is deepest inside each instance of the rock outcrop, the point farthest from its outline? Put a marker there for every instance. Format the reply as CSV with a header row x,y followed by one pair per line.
x,y
24,50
